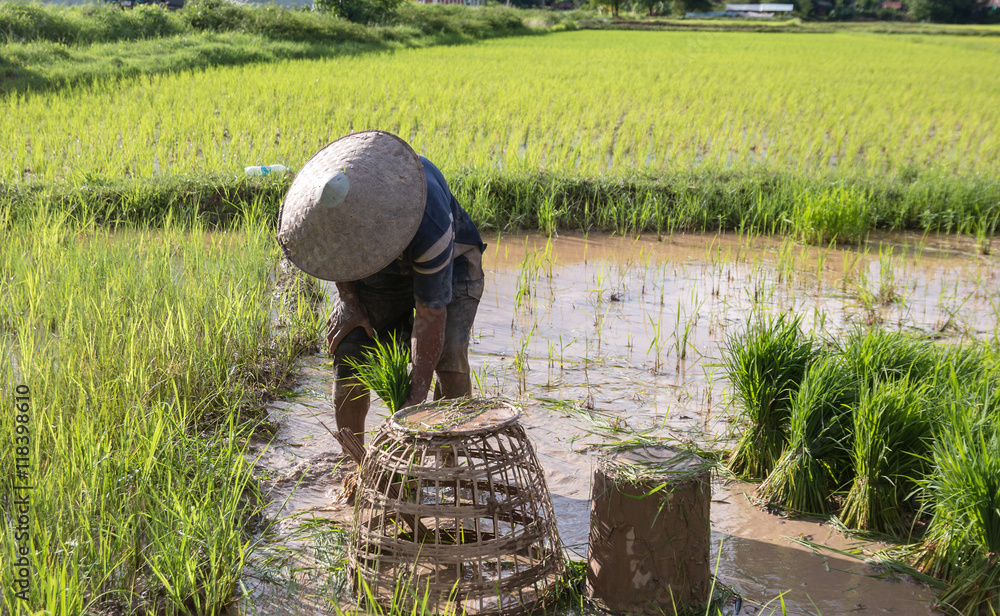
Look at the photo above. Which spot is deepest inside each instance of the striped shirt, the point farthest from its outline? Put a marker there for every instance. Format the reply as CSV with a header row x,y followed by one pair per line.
x,y
447,246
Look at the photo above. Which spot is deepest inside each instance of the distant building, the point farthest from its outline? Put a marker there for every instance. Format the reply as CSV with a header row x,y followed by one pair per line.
x,y
465,2
895,5
760,8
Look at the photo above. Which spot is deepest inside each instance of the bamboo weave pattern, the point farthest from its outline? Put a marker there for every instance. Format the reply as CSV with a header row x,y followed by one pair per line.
x,y
458,516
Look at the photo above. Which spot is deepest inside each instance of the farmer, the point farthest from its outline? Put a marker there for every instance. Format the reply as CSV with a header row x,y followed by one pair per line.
x,y
369,214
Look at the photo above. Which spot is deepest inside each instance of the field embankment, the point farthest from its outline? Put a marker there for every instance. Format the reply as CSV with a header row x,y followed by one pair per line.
x,y
44,47
762,201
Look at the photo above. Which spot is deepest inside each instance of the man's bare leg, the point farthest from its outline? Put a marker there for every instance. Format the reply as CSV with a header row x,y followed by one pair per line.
x,y
452,385
350,403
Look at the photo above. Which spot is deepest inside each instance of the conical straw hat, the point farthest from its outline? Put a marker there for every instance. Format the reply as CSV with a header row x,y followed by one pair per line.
x,y
353,207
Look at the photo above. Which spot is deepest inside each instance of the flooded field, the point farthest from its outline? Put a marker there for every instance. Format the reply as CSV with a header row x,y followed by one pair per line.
x,y
603,338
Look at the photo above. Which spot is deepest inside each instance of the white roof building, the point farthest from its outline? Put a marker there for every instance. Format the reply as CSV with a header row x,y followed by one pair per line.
x,y
760,8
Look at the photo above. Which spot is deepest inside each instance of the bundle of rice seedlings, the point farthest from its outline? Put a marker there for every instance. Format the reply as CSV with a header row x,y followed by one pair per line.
x,y
878,355
962,542
966,363
765,364
385,369
891,440
817,460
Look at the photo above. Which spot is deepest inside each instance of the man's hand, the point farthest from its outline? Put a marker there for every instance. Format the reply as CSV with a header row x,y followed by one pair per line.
x,y
348,314
427,343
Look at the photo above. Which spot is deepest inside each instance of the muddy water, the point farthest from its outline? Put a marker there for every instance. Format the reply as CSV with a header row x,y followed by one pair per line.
x,y
601,336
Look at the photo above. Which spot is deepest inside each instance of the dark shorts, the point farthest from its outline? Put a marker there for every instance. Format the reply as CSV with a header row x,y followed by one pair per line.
x,y
390,309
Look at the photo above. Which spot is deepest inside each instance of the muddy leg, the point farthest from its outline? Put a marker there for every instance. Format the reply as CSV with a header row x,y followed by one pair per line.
x,y
452,385
350,401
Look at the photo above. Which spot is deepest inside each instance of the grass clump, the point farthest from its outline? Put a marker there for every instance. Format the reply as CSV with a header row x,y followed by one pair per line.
x,y
841,215
816,462
766,364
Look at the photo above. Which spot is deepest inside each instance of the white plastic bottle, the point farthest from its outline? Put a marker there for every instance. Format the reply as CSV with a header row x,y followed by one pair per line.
x,y
264,170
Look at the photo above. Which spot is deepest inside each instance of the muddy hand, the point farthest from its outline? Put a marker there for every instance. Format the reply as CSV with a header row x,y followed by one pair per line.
x,y
346,316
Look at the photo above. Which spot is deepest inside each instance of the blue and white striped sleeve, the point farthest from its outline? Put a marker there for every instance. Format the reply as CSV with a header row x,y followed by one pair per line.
x,y
433,250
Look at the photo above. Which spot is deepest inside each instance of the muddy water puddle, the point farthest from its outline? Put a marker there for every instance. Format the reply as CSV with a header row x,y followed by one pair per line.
x,y
604,337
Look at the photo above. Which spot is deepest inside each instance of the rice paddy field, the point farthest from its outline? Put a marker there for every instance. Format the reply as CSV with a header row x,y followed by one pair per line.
x,y
585,102
800,283
585,130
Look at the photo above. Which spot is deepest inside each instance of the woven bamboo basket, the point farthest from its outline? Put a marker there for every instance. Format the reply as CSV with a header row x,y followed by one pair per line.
x,y
453,513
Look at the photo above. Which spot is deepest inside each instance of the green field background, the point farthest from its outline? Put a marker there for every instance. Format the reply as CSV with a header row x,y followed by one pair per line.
x,y
586,103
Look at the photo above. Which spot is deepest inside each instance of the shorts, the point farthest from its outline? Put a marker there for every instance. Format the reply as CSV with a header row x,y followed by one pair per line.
x,y
390,310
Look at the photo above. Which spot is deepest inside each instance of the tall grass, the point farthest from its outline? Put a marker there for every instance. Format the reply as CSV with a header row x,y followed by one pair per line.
x,y
841,215
147,353
757,200
766,364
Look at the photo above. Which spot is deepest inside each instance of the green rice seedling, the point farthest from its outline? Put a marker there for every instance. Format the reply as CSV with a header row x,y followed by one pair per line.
x,y
985,231
684,327
876,355
645,160
656,342
840,215
385,369
892,434
765,364
817,460
521,361
962,491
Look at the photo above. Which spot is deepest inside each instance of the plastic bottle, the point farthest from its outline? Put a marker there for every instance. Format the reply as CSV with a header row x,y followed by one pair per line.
x,y
265,169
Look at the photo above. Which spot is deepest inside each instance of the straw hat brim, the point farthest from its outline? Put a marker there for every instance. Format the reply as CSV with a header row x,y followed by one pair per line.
x,y
366,219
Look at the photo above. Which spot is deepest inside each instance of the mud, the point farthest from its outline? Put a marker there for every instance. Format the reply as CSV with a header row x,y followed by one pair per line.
x,y
603,336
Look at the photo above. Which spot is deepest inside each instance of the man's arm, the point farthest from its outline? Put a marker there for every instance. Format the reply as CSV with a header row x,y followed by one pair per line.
x,y
426,344
348,314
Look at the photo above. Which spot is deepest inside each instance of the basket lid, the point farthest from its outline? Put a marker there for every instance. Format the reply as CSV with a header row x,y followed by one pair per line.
x,y
463,416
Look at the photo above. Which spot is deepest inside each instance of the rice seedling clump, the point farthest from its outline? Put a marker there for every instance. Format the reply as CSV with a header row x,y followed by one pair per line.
x,y
385,369
892,435
895,434
877,355
766,364
816,462
962,542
